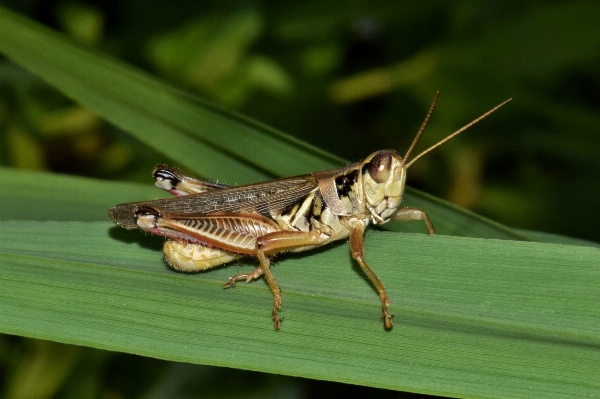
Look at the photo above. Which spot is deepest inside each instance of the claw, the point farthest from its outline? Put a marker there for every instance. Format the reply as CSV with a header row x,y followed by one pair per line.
x,y
387,319
229,284
276,319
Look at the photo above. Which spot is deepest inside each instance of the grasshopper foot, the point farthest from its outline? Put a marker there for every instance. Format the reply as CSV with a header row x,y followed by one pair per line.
x,y
230,283
275,313
385,315
276,319
387,318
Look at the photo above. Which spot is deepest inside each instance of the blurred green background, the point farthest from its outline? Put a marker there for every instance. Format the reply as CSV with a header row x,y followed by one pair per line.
x,y
349,77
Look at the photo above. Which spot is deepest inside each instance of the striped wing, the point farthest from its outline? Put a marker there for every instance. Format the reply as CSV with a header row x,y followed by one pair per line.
x,y
274,196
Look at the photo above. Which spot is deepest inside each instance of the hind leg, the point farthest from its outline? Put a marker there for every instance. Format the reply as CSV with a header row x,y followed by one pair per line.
x,y
245,276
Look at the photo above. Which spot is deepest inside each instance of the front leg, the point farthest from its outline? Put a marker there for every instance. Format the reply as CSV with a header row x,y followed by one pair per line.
x,y
405,214
358,253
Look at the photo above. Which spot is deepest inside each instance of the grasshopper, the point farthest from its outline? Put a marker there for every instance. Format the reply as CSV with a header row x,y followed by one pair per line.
x,y
209,224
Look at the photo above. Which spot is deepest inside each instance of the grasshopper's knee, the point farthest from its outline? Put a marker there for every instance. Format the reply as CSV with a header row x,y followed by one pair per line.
x,y
357,255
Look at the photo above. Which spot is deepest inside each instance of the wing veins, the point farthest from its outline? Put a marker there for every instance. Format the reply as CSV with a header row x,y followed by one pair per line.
x,y
263,198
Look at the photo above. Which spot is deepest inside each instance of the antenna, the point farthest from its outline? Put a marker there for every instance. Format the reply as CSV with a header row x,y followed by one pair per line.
x,y
437,94
462,129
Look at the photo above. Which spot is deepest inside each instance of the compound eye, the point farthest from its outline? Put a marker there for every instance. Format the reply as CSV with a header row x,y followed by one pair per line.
x,y
380,167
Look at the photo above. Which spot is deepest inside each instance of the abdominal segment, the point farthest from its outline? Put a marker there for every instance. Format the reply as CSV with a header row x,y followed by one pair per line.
x,y
187,257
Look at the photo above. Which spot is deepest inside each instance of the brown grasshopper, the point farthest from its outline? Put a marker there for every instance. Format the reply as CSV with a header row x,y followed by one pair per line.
x,y
209,224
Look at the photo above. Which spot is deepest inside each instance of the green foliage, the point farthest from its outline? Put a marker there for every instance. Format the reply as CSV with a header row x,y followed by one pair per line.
x,y
474,317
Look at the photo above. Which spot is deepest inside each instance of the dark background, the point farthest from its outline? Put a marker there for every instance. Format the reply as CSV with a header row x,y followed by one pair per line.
x,y
350,77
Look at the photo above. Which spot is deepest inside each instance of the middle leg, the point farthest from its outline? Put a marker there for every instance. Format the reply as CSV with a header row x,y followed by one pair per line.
x,y
276,242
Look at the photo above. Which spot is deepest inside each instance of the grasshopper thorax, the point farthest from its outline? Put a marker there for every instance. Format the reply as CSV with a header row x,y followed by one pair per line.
x,y
383,179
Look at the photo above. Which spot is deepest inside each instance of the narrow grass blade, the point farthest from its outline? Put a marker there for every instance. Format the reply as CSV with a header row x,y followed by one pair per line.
x,y
28,195
475,318
197,134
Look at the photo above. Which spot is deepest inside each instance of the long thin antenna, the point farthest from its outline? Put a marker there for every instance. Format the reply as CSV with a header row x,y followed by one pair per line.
x,y
437,94
462,129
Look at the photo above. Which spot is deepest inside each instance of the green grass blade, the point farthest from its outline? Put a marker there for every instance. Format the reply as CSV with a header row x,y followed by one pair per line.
x,y
474,317
196,134
27,195
556,239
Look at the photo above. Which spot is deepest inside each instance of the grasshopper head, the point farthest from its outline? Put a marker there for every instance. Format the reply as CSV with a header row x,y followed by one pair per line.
x,y
383,178
384,172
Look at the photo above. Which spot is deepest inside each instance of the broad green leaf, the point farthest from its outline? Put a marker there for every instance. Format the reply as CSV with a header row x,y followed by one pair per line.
x,y
474,317
214,143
